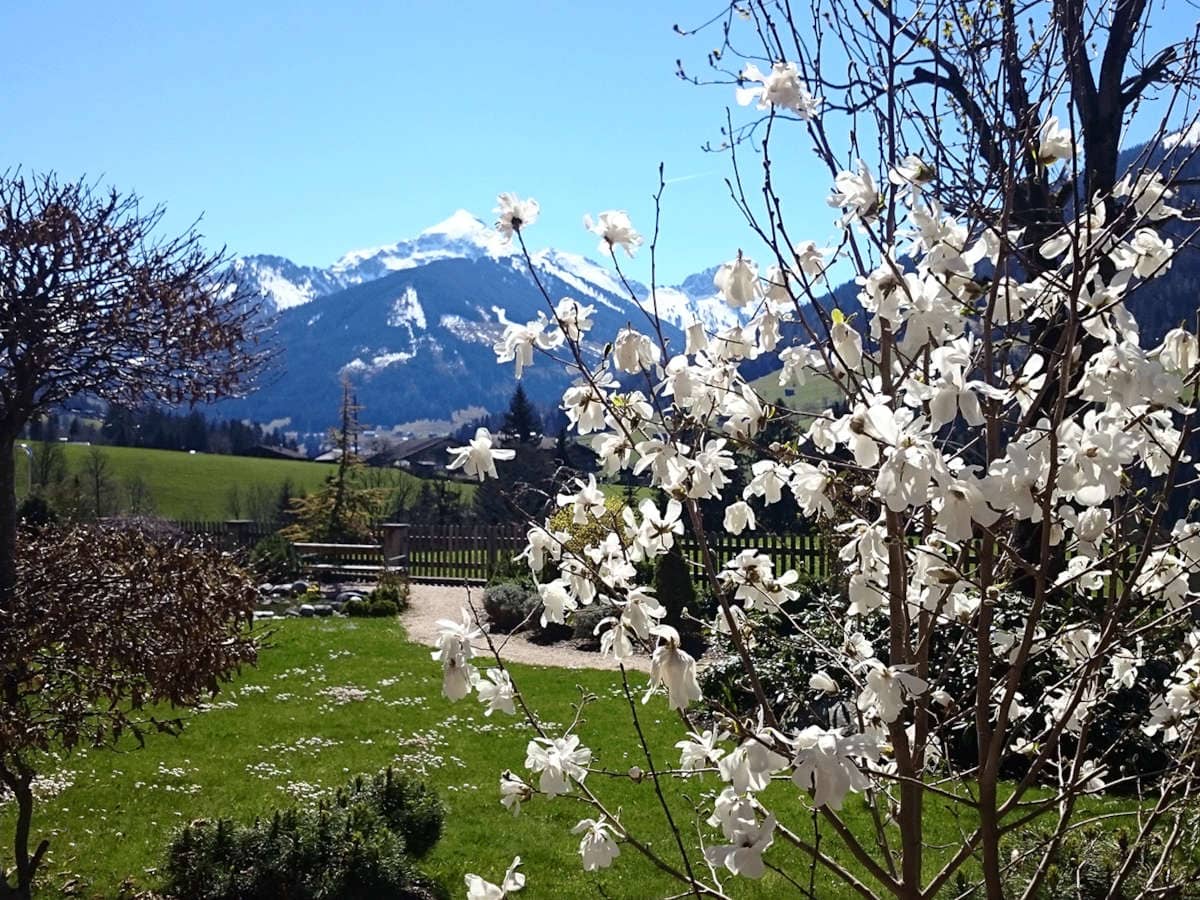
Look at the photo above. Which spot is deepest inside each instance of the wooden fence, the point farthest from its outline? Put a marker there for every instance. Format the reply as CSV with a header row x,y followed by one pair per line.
x,y
465,554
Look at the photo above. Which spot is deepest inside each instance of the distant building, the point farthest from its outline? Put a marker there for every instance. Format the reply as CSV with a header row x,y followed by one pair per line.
x,y
425,457
266,452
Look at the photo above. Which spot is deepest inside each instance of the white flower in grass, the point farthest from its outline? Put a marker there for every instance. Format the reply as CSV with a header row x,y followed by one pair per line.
x,y
513,214
513,792
478,458
597,848
673,668
701,750
480,889
455,652
496,691
615,230
558,760
737,281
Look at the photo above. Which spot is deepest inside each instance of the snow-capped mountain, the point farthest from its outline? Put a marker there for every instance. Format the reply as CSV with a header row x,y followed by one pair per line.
x,y
286,284
413,323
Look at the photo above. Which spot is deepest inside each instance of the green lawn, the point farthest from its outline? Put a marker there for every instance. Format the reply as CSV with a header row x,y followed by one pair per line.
x,y
275,735
187,486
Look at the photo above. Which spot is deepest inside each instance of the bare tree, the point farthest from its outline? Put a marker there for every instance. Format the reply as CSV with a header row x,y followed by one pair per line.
x,y
94,300
166,625
97,475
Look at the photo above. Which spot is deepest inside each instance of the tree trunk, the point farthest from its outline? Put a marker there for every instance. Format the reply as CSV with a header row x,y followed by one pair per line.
x,y
19,783
8,517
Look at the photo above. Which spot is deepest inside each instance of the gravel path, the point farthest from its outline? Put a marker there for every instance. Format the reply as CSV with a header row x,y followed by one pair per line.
x,y
432,602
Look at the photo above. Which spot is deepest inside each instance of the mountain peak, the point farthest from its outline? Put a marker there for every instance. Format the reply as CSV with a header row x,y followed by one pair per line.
x,y
460,224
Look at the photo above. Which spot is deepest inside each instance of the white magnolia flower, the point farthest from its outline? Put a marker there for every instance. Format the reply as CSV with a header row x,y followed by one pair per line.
x,y
658,532
697,339
913,171
559,760
573,317
1179,351
496,691
846,341
519,341
1054,142
557,601
701,750
887,688
597,848
513,214
749,766
455,653
587,501
823,681
781,88
615,230
744,856
824,764
479,889
737,281
857,195
478,458
810,258
674,669
513,792
738,517
634,352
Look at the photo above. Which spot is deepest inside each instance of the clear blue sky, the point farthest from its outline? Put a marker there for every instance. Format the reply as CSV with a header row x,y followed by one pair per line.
x,y
308,129
311,128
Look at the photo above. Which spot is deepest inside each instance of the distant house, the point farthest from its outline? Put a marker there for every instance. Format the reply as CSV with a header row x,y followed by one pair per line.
x,y
262,450
329,456
425,457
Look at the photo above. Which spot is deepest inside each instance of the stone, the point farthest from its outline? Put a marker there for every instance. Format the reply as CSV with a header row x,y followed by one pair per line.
x,y
306,610
321,609
299,587
263,614
347,596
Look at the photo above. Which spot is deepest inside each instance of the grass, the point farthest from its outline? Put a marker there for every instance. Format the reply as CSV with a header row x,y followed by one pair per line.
x,y
274,736
196,486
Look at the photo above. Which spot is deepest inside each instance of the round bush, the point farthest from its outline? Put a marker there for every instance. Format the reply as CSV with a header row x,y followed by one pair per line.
x,y
394,589
506,606
585,620
355,608
382,609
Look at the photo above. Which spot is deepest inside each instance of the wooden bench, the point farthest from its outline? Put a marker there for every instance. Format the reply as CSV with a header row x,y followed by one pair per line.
x,y
347,560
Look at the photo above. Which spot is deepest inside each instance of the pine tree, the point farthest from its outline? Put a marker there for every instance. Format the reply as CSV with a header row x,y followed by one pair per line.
x,y
522,420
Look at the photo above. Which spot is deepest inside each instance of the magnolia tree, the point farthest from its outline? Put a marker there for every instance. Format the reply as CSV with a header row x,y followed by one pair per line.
x,y
1001,470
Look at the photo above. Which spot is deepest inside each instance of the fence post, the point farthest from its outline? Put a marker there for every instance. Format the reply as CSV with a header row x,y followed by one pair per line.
x,y
239,533
395,545
490,531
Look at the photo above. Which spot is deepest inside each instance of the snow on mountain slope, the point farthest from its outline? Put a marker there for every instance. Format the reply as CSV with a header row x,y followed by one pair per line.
x,y
464,236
